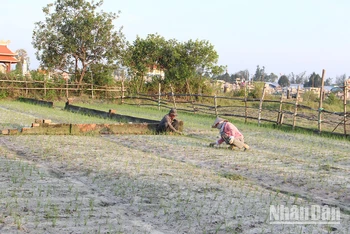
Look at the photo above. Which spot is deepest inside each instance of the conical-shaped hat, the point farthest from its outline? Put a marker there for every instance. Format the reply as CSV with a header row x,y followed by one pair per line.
x,y
217,120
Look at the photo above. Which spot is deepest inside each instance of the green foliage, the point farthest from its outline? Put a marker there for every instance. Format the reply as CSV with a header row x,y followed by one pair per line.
x,y
75,36
22,57
314,81
259,74
144,55
283,81
328,82
3,94
181,62
332,99
195,58
13,75
51,95
333,103
37,75
271,78
339,80
100,74
238,93
257,91
241,74
309,96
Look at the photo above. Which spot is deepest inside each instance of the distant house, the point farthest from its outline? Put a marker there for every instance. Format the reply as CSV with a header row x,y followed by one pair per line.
x,y
295,86
154,71
272,87
7,57
315,90
339,91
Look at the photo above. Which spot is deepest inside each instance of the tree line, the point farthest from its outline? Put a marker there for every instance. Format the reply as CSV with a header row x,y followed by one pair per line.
x,y
312,80
78,39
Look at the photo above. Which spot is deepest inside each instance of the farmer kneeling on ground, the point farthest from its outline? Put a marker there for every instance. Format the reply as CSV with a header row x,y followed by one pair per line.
x,y
169,123
229,134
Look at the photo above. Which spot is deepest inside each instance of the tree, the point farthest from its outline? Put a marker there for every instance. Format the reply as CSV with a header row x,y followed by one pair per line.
x,y
300,78
259,74
181,62
271,78
23,60
226,77
291,78
243,75
314,81
339,80
75,36
283,81
189,61
143,55
328,81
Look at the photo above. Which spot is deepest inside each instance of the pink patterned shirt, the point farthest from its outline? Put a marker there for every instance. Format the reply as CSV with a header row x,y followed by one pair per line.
x,y
230,130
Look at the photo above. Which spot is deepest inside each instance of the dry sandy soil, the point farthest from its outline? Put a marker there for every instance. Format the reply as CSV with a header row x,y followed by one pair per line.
x,y
166,184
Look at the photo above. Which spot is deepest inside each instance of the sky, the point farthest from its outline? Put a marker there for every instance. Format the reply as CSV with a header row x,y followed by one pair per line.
x,y
284,36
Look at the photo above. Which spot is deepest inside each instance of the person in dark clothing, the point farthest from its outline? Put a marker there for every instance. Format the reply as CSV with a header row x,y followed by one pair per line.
x,y
169,123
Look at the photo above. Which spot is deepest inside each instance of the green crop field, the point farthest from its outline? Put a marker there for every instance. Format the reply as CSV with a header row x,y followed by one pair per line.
x,y
163,183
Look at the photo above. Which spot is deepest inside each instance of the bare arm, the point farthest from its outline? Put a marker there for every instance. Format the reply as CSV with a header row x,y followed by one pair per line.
x,y
169,123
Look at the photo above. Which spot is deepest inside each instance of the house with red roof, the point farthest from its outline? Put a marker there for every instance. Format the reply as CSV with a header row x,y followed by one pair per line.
x,y
7,57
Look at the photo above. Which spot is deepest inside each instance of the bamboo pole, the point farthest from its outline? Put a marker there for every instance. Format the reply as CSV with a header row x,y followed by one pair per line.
x,y
296,107
245,104
66,88
281,118
279,115
260,104
172,95
45,87
159,90
345,97
26,89
215,105
122,97
189,90
320,109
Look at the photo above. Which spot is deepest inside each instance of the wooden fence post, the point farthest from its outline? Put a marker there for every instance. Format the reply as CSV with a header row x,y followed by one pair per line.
x,y
172,95
296,107
189,90
279,115
66,88
122,97
345,97
260,104
92,90
320,109
245,104
45,87
215,105
159,90
26,88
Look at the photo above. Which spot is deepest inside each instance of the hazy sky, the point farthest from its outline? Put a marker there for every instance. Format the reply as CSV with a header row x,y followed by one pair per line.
x,y
283,35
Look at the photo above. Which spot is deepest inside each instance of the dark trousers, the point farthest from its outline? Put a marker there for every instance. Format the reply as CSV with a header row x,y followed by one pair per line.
x,y
164,128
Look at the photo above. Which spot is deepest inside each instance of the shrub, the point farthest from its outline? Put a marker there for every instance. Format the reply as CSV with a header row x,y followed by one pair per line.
x,y
310,96
257,91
